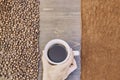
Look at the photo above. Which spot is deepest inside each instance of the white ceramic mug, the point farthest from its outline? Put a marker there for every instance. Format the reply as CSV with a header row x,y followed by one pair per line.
x,y
61,42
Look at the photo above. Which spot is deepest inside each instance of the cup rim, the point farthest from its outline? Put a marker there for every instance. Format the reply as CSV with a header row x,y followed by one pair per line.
x,y
57,41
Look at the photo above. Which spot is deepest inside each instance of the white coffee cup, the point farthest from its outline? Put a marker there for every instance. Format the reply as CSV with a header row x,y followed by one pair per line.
x,y
61,42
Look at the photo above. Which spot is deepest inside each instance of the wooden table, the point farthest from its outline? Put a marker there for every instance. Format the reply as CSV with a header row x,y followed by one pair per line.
x,y
60,19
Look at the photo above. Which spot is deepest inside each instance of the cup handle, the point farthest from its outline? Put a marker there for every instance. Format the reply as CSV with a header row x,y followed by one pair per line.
x,y
76,53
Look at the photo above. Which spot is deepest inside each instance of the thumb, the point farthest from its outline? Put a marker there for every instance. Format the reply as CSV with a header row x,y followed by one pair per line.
x,y
72,68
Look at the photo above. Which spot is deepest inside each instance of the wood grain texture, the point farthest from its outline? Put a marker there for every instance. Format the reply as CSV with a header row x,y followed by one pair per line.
x,y
58,20
101,40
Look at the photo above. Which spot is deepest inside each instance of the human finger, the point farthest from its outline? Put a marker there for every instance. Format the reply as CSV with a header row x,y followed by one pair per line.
x,y
44,60
72,67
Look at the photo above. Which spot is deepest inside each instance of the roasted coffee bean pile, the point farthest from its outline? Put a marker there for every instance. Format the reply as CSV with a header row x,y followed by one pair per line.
x,y
19,34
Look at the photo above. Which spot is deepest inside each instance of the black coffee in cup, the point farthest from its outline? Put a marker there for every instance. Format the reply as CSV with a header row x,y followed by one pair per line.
x,y
57,53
